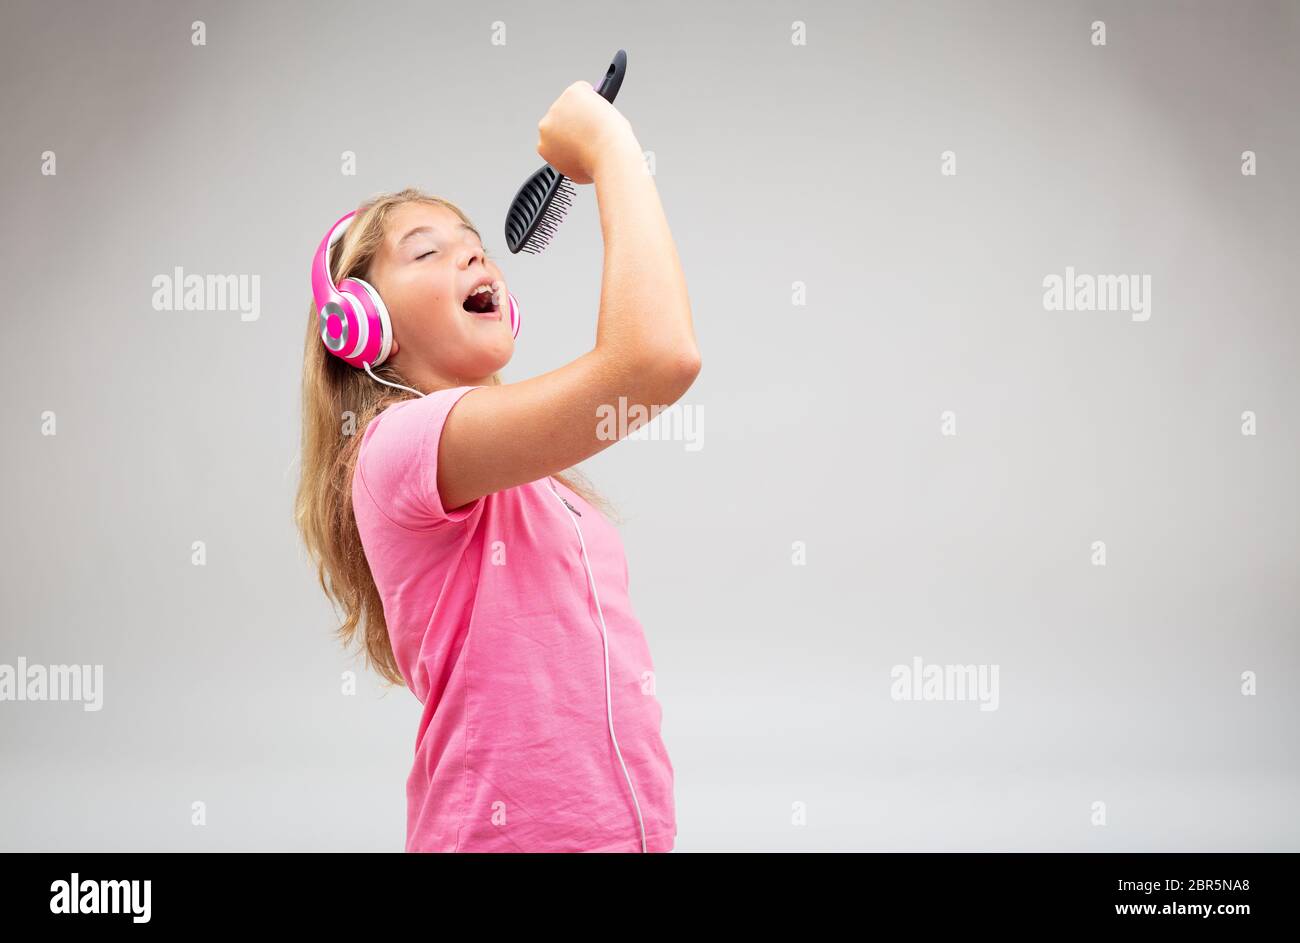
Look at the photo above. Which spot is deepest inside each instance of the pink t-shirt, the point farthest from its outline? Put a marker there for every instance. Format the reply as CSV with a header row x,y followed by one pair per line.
x,y
496,632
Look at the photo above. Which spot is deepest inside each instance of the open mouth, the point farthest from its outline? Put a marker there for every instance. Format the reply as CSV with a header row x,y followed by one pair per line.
x,y
482,300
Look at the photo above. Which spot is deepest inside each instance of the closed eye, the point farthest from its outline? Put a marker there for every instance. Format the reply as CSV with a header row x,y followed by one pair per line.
x,y
486,254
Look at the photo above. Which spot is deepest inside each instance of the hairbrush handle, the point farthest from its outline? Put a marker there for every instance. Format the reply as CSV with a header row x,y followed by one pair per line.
x,y
613,79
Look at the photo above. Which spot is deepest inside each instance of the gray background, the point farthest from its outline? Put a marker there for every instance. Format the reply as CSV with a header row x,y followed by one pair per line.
x,y
775,164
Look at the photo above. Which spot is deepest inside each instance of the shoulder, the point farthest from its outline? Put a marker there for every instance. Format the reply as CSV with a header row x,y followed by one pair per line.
x,y
397,458
405,419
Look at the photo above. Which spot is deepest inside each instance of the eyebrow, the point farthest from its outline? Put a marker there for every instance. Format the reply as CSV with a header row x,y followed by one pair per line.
x,y
422,229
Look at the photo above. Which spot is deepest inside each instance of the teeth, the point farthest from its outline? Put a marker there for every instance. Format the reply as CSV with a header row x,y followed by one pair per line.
x,y
493,288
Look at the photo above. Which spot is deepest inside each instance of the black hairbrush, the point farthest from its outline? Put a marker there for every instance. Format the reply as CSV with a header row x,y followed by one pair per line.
x,y
544,200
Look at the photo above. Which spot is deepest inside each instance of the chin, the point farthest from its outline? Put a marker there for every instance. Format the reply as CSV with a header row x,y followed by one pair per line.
x,y
494,359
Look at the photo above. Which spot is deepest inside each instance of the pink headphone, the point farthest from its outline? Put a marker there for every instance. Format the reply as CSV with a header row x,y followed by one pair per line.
x,y
354,323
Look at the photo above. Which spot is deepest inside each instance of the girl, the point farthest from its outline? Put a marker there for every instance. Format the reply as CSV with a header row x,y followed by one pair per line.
x,y
441,521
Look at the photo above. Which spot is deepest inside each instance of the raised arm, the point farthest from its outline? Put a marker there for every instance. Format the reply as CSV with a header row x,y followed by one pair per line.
x,y
497,437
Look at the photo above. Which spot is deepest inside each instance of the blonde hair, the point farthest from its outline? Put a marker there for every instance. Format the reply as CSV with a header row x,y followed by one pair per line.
x,y
338,402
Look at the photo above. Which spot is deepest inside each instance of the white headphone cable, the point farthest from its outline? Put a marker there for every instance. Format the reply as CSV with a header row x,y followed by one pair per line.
x,y
386,383
609,707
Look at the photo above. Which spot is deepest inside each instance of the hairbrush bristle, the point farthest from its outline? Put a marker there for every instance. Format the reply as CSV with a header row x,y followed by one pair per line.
x,y
554,214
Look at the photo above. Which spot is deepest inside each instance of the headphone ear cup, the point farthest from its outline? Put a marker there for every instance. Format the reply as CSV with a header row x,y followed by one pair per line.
x,y
378,326
341,326
515,315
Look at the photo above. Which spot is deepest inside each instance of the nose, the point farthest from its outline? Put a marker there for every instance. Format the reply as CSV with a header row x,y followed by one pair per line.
x,y
474,252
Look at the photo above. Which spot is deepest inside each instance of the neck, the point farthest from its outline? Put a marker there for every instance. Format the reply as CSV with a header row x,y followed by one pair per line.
x,y
426,379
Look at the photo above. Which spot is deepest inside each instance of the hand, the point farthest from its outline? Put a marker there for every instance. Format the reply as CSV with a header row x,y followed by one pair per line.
x,y
578,129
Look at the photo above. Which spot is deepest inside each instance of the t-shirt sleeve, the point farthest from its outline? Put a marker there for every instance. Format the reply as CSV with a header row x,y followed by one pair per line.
x,y
398,461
